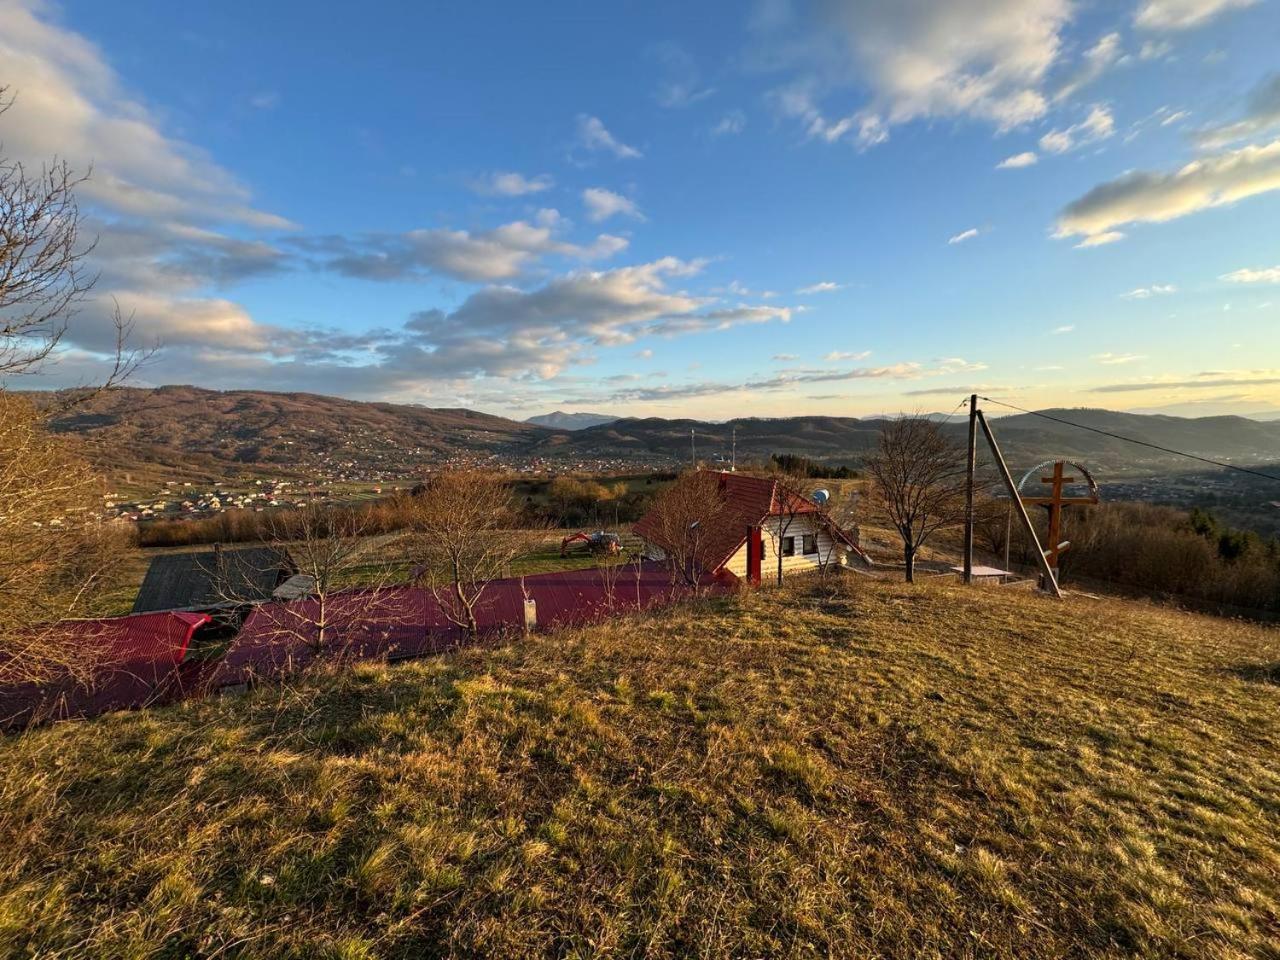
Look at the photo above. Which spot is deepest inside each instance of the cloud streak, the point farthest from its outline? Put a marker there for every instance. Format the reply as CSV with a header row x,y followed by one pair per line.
x,y
1155,197
595,137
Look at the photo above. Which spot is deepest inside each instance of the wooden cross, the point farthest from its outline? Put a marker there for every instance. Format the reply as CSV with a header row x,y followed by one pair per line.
x,y
1054,504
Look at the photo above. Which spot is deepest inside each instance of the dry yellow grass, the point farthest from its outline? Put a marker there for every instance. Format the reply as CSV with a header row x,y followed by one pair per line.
x,y
878,770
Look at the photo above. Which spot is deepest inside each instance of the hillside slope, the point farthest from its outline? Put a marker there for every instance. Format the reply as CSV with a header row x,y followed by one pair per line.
x,y
883,771
181,432
209,432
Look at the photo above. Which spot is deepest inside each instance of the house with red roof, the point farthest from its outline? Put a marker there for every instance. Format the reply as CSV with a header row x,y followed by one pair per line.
x,y
762,521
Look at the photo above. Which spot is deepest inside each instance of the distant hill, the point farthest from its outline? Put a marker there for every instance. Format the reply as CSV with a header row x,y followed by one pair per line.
x,y
570,421
182,432
1024,438
187,433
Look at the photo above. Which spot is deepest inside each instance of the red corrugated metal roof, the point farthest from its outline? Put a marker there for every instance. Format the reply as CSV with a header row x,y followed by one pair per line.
x,y
407,621
134,661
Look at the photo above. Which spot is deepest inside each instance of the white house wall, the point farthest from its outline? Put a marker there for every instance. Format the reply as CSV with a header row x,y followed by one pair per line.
x,y
798,563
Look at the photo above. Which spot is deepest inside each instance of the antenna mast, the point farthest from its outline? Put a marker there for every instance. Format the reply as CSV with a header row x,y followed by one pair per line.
x,y
733,462
693,448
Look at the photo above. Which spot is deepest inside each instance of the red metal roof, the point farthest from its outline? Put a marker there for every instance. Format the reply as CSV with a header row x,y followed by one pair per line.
x,y
134,661
407,621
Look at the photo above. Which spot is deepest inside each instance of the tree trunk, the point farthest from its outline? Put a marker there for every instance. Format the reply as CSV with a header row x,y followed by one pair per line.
x,y
472,626
909,561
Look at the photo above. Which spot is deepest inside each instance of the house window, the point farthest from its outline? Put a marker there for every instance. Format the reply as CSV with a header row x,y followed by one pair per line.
x,y
810,544
788,546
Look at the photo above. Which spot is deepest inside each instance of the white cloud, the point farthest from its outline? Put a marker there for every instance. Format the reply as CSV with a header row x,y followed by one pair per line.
x,y
1183,14
1097,60
823,286
731,124
837,355
1155,49
681,83
155,204
1146,293
1247,275
511,184
948,365
1100,239
1150,197
986,59
602,204
785,357
964,235
505,331
70,103
265,100
1117,359
863,128
1262,113
1025,159
502,253
1066,328
1098,125
594,136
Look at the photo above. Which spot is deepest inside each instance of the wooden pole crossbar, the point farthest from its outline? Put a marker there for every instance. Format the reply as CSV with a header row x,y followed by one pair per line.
x,y
1050,574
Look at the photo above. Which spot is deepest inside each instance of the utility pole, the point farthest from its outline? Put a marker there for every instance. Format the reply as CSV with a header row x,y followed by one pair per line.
x,y
1050,578
733,456
970,464
693,448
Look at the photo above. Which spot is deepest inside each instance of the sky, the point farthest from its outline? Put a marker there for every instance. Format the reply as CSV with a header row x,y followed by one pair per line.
x,y
672,209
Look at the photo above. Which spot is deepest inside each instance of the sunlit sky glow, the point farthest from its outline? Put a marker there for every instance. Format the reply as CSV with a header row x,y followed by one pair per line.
x,y
712,209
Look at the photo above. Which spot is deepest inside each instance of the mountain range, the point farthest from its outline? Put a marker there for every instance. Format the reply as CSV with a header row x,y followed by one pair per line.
x,y
182,432
570,421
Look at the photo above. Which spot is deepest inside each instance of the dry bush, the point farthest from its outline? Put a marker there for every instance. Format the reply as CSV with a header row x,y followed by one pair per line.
x,y
55,552
1157,550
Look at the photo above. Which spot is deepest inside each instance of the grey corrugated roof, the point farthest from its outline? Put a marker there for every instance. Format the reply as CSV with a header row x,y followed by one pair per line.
x,y
190,581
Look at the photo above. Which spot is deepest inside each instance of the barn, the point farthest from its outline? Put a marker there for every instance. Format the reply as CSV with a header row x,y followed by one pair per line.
x,y
761,522
209,579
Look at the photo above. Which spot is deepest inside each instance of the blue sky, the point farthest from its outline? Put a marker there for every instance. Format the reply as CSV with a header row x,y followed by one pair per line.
x,y
769,208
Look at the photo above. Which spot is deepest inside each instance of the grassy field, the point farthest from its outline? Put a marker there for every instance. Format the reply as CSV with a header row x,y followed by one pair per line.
x,y
874,770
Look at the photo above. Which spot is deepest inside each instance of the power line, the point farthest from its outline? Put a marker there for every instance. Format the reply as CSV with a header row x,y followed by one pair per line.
x,y
1141,443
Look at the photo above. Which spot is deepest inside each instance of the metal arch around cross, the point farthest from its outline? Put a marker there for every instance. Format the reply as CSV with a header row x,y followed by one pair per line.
x,y
1057,500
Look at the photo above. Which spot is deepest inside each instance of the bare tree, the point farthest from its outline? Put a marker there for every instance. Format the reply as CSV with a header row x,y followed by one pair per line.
x,y
610,566
839,514
789,505
55,552
681,520
467,531
919,478
42,273
336,593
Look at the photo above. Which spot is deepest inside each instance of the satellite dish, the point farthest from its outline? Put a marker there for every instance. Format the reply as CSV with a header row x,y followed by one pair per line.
x,y
820,497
